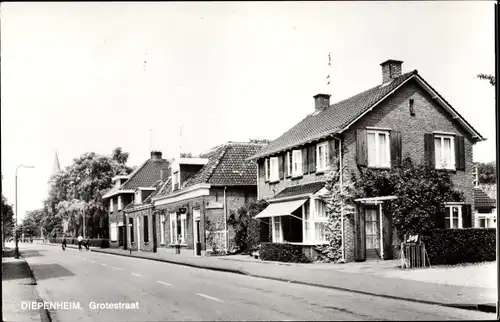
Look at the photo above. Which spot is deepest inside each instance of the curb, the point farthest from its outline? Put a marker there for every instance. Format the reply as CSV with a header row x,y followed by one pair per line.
x,y
44,313
489,308
221,269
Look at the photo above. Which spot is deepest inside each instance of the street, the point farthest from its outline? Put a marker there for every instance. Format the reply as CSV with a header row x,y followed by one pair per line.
x,y
167,292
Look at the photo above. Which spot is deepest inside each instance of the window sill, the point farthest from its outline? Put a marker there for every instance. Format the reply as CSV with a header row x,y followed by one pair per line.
x,y
273,182
297,177
308,243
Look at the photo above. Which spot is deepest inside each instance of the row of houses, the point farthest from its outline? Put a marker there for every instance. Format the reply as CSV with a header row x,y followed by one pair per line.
x,y
164,205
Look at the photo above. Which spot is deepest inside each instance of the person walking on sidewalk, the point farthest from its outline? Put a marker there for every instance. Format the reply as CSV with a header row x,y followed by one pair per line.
x,y
80,240
64,242
87,243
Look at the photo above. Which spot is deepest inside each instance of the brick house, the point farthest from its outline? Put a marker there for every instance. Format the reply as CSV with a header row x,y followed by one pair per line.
x,y
202,194
403,116
126,190
485,212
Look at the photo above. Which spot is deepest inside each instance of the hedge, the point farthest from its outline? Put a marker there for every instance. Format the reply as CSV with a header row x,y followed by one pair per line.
x,y
454,246
94,242
282,253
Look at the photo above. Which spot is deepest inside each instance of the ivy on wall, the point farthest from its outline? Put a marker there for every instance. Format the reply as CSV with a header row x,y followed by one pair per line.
x,y
339,199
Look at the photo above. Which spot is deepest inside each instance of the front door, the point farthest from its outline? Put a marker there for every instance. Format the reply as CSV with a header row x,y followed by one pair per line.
x,y
372,233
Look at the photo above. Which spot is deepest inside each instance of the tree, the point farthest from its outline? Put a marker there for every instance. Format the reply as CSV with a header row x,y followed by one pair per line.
x,y
421,189
78,190
32,223
487,77
487,172
7,219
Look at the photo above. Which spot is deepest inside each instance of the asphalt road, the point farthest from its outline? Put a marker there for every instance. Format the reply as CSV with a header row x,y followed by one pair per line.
x,y
165,292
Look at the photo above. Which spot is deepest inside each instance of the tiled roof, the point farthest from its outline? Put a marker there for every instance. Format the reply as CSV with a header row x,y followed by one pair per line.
x,y
227,165
481,199
312,187
147,174
158,185
332,119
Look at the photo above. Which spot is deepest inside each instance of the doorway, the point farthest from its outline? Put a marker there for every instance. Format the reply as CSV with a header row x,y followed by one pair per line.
x,y
372,233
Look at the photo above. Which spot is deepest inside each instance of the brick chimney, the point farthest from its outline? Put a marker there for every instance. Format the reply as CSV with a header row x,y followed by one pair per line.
x,y
155,155
390,69
321,101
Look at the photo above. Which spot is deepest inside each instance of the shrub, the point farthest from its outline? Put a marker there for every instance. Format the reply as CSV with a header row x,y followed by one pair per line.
x,y
282,253
247,229
454,246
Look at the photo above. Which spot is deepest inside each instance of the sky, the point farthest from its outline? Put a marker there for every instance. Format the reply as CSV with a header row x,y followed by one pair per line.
x,y
81,77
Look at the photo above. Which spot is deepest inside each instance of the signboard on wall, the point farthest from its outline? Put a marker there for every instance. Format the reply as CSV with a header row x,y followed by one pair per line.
x,y
413,239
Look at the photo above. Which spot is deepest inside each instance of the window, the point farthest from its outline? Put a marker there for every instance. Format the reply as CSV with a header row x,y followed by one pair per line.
x,y
444,151
277,230
119,202
315,220
274,168
162,229
297,162
378,149
412,109
320,219
173,228
146,228
453,217
485,221
113,235
182,227
288,164
267,168
111,206
322,156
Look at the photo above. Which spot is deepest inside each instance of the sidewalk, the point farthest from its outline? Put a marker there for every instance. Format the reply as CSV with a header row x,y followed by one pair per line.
x,y
330,276
18,287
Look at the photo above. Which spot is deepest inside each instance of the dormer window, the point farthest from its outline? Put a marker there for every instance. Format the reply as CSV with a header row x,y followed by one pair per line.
x,y
322,156
138,197
297,163
176,180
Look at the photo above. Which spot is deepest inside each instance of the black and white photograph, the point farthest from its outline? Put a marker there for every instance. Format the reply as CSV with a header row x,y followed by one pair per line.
x,y
249,161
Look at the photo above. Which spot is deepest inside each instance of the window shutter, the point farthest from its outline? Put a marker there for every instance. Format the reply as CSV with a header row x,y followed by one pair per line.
x,y
280,167
466,216
311,154
266,166
331,151
396,148
459,152
262,170
304,161
429,149
361,150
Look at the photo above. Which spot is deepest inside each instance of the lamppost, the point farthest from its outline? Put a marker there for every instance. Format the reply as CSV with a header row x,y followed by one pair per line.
x,y
15,230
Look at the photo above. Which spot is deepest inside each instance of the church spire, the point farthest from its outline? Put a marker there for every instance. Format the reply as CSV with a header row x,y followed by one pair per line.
x,y
55,167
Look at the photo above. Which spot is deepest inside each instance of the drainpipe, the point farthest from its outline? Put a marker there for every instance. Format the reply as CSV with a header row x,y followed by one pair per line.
x,y
342,205
225,218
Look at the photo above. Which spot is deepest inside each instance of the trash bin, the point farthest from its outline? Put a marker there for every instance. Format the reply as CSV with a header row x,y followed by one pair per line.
x,y
198,248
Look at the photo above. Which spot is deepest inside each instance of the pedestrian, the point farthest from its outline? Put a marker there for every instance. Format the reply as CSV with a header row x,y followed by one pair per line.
x,y
64,242
80,240
87,243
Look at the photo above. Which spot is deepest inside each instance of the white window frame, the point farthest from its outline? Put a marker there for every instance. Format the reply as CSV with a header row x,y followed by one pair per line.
x,y
111,205
376,163
453,157
314,218
297,163
277,220
119,202
288,164
173,228
324,146
162,229
113,234
274,169
449,216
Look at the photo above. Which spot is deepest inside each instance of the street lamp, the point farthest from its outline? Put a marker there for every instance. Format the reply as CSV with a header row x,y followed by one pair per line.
x,y
16,237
